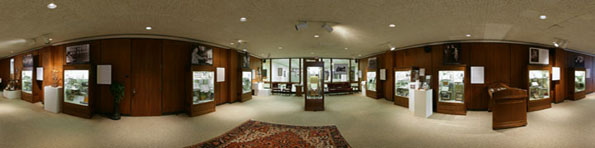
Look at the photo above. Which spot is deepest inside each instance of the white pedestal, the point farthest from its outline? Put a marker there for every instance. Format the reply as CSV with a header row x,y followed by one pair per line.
x,y
363,88
53,99
422,103
262,92
15,94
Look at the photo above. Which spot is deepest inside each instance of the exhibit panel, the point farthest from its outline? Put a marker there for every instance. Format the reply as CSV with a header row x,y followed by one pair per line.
x,y
27,76
578,83
403,77
203,91
314,74
78,87
246,85
451,90
539,88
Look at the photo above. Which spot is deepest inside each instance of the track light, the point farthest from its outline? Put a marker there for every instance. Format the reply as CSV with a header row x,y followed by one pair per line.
x,y
327,27
560,43
301,25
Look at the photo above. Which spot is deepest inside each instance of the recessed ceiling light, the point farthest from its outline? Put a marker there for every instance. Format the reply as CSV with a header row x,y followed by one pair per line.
x,y
50,39
392,48
279,47
244,49
543,17
11,51
148,27
243,19
52,6
556,44
359,55
316,36
232,43
346,48
240,41
392,25
311,52
468,35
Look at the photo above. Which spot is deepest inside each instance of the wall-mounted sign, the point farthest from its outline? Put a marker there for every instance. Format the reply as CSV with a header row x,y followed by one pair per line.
x,y
78,54
477,75
555,73
104,74
382,74
39,74
220,74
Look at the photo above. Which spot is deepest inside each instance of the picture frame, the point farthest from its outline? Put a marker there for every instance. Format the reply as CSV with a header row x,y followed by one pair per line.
x,y
201,55
28,60
79,54
579,61
538,56
372,63
340,68
451,53
245,60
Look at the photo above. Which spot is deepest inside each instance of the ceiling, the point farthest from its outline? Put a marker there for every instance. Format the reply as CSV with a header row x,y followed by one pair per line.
x,y
361,26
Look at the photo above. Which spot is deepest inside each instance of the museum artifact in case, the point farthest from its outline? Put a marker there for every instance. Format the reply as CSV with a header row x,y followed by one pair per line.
x,y
314,86
203,91
78,89
371,81
403,77
577,78
27,79
246,85
539,87
451,90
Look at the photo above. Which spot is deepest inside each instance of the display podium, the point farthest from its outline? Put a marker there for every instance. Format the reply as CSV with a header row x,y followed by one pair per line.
x,y
53,99
508,106
12,94
421,103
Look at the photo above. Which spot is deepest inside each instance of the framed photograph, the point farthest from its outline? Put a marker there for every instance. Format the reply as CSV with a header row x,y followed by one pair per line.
x,y
245,60
202,55
372,63
452,54
579,61
340,68
79,54
28,60
539,56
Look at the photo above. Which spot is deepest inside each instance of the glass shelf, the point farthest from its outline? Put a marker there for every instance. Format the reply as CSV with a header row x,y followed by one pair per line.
x,y
371,81
76,87
246,82
579,81
314,83
27,76
402,79
203,88
539,84
451,86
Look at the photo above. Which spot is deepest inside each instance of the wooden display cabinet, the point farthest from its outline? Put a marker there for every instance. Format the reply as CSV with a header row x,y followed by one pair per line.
x,y
201,96
451,90
539,87
577,83
402,86
314,86
246,81
78,101
508,105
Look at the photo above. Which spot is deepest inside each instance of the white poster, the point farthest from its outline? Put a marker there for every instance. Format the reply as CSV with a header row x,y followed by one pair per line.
x,y
555,73
104,74
253,74
539,56
39,73
422,72
588,73
382,74
477,74
220,74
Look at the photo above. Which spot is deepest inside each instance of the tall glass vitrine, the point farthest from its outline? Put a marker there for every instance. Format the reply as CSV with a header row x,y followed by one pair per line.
x,y
203,91
314,86
79,84
577,82
539,87
403,77
451,90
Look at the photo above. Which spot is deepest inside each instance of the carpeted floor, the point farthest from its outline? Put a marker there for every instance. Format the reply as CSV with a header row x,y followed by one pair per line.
x,y
363,122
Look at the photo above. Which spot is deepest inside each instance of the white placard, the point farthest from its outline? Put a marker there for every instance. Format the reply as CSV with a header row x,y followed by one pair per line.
x,y
555,73
39,73
104,74
588,73
253,74
220,74
382,74
477,74
422,72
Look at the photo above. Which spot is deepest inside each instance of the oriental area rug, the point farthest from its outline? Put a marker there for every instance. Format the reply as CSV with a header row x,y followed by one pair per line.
x,y
261,134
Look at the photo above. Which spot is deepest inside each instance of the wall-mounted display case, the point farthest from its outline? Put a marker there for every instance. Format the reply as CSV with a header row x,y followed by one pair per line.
x,y
78,90
451,90
246,85
203,91
539,87
371,81
403,77
314,86
577,82
27,80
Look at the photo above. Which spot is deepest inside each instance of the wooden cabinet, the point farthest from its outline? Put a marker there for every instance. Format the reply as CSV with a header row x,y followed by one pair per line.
x,y
451,92
539,87
508,106
577,83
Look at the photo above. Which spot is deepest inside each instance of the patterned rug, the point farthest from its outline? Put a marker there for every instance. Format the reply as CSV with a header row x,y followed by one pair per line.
x,y
261,134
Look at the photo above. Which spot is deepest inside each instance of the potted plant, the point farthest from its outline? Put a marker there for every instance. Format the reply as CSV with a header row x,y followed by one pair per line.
x,y
117,90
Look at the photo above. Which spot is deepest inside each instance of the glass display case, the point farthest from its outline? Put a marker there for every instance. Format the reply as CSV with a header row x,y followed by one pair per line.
x,y
539,84
246,82
371,81
579,81
76,87
402,79
314,82
203,88
27,80
451,86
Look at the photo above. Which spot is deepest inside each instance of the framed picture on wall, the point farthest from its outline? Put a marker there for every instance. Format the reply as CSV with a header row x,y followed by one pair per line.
x,y
280,72
451,54
340,68
245,60
372,63
78,54
202,55
28,60
579,61
539,56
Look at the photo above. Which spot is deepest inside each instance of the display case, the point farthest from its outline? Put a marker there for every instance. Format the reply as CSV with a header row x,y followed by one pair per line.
x,y
203,91
403,77
27,80
577,77
78,84
451,90
371,81
539,88
246,85
314,86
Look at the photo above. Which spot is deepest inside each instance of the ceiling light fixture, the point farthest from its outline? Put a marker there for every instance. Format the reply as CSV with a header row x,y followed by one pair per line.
x,y
327,27
468,35
240,41
311,52
50,39
316,36
359,55
52,6
556,44
542,17
392,25
346,48
148,28
232,43
243,19
245,50
301,25
392,48
279,47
